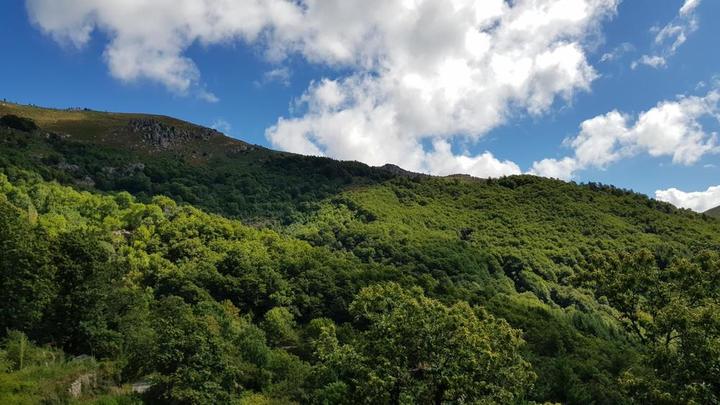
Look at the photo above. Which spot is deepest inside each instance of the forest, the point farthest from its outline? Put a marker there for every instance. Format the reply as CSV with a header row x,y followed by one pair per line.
x,y
196,273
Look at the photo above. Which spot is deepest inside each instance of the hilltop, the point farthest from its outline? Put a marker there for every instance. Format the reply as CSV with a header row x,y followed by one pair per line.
x,y
221,271
143,133
150,155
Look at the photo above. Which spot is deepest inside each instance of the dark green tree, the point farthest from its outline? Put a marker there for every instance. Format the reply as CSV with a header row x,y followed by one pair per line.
x,y
413,348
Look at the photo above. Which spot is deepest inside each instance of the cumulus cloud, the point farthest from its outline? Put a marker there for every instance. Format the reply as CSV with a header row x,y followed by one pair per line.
x,y
430,70
442,161
671,128
670,37
148,38
555,168
699,201
412,72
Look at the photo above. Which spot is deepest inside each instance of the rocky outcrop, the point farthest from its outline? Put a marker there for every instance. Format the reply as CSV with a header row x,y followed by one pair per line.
x,y
86,181
68,167
82,384
140,387
165,136
127,170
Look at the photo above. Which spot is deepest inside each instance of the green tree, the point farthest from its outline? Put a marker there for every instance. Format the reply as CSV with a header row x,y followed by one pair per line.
x,y
26,273
675,312
279,324
83,316
414,348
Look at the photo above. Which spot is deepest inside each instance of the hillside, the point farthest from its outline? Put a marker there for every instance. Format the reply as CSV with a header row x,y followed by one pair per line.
x,y
153,155
269,277
713,212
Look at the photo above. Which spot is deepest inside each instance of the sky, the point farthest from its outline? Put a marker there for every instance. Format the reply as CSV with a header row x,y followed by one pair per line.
x,y
618,92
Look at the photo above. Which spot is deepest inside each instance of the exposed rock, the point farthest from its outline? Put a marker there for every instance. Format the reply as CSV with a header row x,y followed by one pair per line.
x,y
140,387
86,181
239,148
68,167
135,167
84,383
165,136
126,170
81,358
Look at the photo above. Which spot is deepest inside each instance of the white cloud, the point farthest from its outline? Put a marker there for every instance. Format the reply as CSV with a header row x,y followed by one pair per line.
x,y
689,6
670,37
442,161
205,95
699,201
419,69
222,126
436,69
654,61
148,38
671,128
555,168
277,75
617,52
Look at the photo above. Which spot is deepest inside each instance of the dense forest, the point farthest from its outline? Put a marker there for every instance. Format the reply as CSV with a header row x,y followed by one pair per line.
x,y
144,259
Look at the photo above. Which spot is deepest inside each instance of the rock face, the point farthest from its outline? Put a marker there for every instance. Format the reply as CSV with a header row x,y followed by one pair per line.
x,y
140,387
84,383
164,136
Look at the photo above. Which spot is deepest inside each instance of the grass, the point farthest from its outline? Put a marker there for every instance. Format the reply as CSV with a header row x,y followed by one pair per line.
x,y
109,129
49,384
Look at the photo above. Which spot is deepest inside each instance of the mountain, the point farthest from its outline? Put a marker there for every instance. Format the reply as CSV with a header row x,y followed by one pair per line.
x,y
213,271
713,212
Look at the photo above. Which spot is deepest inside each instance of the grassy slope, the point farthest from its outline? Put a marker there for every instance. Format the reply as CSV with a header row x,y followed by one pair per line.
x,y
108,129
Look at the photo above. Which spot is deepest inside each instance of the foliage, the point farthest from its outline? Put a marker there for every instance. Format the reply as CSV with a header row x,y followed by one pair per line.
x,y
413,349
19,123
674,310
33,374
339,282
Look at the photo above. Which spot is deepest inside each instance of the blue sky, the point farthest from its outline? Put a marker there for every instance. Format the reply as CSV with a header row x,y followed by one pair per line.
x,y
390,86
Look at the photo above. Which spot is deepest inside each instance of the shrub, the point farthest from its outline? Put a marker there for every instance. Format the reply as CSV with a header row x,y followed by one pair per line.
x,y
19,123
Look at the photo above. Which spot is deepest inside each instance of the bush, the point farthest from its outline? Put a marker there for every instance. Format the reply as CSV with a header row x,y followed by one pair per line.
x,y
19,123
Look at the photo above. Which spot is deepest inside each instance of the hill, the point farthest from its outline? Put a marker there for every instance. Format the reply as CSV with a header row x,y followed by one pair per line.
x,y
301,279
713,212
149,155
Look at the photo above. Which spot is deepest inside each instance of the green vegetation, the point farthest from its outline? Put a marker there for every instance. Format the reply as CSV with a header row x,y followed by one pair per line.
x,y
276,278
19,123
105,152
713,212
